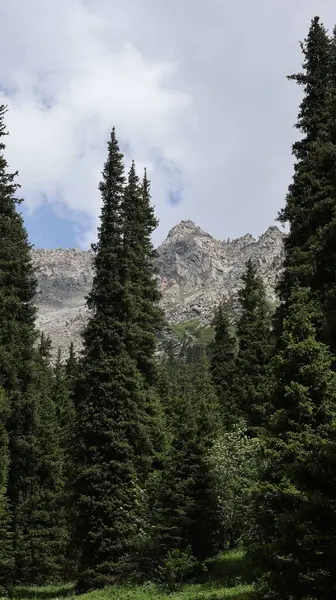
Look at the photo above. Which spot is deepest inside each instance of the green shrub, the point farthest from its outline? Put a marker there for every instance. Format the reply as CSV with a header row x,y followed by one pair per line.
x,y
178,567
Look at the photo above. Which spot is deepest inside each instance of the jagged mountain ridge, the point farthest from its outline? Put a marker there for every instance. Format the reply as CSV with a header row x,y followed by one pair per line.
x,y
195,272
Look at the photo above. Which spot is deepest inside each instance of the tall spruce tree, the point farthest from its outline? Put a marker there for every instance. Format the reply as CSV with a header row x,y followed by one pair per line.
x,y
6,541
254,339
187,512
110,404
292,546
43,539
324,244
71,365
17,338
308,206
63,398
65,408
139,222
223,353
144,318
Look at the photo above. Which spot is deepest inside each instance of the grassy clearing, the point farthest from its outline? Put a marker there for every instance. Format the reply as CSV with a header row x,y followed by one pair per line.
x,y
192,592
185,328
46,592
194,329
145,592
229,578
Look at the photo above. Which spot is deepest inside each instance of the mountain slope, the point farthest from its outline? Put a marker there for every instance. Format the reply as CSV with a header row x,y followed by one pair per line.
x,y
195,273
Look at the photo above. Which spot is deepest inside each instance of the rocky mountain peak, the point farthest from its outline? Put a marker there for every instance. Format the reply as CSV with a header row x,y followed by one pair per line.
x,y
195,272
272,233
183,230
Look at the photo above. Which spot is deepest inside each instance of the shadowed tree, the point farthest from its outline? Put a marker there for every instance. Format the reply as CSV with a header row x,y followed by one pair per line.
x,y
292,545
254,351
111,404
223,351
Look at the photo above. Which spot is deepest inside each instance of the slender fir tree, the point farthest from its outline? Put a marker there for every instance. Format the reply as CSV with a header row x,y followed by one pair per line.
x,y
64,404
325,239
187,513
17,338
144,318
223,353
309,203
139,223
110,406
63,398
44,538
71,365
254,339
292,546
6,541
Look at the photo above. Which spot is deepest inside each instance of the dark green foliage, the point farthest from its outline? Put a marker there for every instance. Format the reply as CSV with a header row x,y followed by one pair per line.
x,y
112,433
223,351
325,239
17,337
199,371
147,318
72,368
63,397
65,408
164,386
6,543
143,318
107,479
310,199
254,338
187,516
293,544
42,537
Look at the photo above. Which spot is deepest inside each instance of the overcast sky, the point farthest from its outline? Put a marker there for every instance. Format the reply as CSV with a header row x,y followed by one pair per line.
x,y
197,91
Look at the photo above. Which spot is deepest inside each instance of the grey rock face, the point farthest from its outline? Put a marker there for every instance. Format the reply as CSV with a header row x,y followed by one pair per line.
x,y
195,272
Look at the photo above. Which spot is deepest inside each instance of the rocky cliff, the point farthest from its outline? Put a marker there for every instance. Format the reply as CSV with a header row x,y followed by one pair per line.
x,y
195,272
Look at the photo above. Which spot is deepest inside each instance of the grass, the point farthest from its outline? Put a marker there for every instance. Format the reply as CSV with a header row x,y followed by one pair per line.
x,y
194,329
229,579
145,592
185,328
190,592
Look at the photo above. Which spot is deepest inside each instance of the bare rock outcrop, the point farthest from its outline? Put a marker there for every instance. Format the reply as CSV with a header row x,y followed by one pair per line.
x,y
195,272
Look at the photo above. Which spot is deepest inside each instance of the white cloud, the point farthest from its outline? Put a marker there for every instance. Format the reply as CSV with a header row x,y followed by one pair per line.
x,y
197,92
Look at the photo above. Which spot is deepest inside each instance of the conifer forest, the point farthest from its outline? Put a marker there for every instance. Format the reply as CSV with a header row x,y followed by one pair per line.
x,y
204,474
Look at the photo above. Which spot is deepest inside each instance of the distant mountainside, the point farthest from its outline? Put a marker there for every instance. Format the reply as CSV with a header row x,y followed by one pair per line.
x,y
195,273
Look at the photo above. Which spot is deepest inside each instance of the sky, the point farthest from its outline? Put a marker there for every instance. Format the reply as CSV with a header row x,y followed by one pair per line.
x,y
197,92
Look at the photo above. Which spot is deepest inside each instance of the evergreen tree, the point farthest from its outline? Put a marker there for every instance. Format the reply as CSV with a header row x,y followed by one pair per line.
x,y
63,397
324,244
144,317
71,368
164,387
254,338
110,404
198,370
187,515
6,542
65,409
293,545
147,317
42,541
223,351
17,338
308,206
